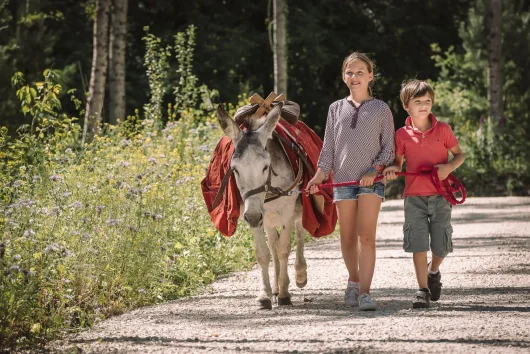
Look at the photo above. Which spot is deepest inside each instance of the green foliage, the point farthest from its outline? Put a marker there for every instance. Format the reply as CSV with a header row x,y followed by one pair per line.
x,y
156,65
87,232
496,164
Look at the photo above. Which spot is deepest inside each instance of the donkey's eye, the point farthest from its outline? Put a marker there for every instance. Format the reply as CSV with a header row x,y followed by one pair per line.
x,y
265,168
235,171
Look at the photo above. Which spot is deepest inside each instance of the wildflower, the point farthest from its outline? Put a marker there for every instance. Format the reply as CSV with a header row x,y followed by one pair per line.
x,y
133,228
85,235
36,178
17,257
139,177
28,233
76,205
125,142
68,151
51,248
113,222
158,217
14,269
141,291
69,297
124,164
99,208
66,194
169,138
55,211
18,183
147,188
152,160
66,253
55,178
204,148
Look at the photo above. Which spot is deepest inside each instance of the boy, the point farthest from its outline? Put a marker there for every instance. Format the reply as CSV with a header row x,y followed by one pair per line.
x,y
425,141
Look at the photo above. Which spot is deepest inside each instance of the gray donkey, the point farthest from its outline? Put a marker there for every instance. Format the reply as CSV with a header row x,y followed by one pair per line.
x,y
264,176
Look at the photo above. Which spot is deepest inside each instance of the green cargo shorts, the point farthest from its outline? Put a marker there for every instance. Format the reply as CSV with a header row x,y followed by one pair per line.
x,y
424,216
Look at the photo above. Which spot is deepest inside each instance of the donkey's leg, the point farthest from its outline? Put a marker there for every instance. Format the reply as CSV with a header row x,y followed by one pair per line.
x,y
284,248
300,265
263,258
272,236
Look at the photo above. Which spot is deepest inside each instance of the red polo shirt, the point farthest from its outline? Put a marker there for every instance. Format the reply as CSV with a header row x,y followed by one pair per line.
x,y
423,149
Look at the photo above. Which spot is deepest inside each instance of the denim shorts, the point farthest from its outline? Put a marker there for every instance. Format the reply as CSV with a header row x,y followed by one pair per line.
x,y
353,192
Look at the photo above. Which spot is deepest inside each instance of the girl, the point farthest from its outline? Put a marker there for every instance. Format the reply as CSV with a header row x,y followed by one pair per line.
x,y
358,144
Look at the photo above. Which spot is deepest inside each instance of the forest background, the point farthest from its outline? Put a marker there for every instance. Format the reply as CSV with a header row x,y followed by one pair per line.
x,y
107,119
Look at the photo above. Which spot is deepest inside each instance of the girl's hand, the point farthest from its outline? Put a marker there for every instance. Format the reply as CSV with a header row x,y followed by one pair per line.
x,y
443,171
390,172
312,185
368,179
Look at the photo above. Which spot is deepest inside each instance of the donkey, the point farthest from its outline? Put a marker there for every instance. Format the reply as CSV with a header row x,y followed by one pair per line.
x,y
259,163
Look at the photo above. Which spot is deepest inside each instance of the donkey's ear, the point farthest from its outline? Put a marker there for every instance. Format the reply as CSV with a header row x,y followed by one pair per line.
x,y
272,119
227,124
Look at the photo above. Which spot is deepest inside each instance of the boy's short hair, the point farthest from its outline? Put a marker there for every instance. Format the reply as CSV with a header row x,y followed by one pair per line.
x,y
415,88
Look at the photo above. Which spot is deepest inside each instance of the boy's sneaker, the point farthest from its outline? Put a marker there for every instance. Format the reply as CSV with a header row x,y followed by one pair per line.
x,y
351,295
422,299
435,285
366,303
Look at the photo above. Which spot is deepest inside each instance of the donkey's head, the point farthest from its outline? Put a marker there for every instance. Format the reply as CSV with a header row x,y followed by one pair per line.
x,y
251,161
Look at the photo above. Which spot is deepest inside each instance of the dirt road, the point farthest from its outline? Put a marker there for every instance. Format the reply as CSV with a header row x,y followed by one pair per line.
x,y
484,308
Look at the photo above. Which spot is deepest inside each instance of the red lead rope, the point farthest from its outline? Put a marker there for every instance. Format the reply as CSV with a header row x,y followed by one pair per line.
x,y
451,183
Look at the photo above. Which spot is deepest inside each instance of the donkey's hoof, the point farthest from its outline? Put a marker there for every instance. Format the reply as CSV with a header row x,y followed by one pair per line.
x,y
301,285
284,301
265,304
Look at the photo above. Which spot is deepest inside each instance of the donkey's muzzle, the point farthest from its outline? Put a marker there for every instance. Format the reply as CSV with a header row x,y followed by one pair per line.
x,y
254,219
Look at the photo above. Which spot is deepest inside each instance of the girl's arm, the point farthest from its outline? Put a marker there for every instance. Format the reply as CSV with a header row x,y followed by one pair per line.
x,y
390,171
327,154
386,155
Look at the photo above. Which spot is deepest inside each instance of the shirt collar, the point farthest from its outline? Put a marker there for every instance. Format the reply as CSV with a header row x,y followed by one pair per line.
x,y
432,117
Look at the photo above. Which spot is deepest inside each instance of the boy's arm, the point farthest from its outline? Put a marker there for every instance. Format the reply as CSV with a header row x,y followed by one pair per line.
x,y
390,171
458,159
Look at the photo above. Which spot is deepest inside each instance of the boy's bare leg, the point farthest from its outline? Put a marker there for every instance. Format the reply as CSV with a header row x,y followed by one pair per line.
x,y
420,264
435,263
347,213
367,214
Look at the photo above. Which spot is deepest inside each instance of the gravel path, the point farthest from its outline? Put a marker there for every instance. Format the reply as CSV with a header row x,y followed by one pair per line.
x,y
484,308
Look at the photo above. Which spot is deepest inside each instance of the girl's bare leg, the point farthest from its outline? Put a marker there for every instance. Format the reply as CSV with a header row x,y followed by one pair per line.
x,y
367,214
347,212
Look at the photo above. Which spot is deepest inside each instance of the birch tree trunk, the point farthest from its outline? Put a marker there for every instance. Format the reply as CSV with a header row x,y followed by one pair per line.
x,y
495,80
117,46
98,74
280,47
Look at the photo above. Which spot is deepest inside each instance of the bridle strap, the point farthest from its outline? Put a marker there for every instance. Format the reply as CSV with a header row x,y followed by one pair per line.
x,y
222,188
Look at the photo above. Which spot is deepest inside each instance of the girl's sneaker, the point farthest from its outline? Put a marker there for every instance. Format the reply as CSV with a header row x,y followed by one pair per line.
x,y
366,303
351,295
422,299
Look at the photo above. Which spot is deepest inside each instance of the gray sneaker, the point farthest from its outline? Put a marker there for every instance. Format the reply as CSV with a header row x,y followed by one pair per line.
x,y
366,303
351,294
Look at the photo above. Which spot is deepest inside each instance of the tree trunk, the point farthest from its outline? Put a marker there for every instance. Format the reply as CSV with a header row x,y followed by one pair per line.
x,y
98,74
118,33
280,47
495,81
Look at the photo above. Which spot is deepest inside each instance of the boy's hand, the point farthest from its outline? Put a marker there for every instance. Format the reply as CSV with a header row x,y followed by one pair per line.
x,y
368,179
443,171
390,172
